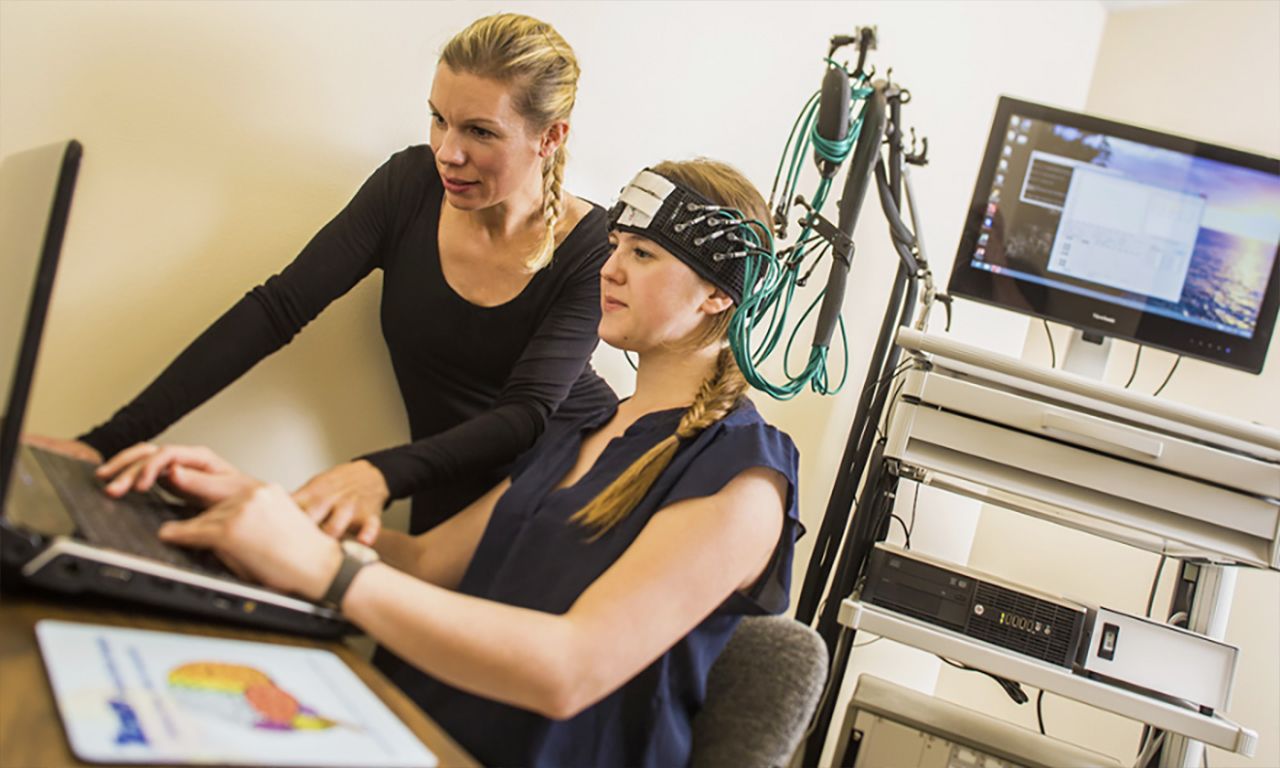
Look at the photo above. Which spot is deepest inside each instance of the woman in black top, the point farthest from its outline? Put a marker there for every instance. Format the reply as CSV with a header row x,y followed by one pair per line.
x,y
490,296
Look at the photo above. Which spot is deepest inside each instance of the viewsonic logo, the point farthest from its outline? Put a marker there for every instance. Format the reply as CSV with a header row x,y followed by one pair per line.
x,y
1103,318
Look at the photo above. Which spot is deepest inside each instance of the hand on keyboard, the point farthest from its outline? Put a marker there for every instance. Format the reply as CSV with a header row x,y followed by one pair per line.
x,y
263,535
349,497
194,473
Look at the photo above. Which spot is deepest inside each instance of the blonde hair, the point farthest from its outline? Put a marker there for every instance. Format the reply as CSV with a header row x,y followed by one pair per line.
x,y
531,56
721,392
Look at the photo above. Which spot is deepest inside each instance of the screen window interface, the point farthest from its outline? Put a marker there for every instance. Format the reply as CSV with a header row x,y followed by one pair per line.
x,y
1136,225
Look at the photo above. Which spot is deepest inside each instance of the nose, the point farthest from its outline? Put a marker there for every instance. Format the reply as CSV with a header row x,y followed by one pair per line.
x,y
611,271
447,148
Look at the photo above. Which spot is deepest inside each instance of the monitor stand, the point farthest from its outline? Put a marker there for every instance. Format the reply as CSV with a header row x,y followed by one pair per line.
x,y
1203,590
1087,354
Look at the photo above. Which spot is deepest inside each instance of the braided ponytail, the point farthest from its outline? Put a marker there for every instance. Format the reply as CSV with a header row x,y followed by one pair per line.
x,y
717,396
552,206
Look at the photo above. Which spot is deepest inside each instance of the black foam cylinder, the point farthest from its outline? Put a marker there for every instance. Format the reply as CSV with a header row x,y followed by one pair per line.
x,y
833,115
865,154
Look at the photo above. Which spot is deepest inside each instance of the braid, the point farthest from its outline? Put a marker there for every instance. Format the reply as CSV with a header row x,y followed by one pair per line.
x,y
552,207
717,396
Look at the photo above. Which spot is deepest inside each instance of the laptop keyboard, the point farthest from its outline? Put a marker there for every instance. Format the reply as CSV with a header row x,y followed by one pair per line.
x,y
128,524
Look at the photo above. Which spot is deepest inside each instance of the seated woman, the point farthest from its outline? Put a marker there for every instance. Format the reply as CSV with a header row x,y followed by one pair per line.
x,y
570,615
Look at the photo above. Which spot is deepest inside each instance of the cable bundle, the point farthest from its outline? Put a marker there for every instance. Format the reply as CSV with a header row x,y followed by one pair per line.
x,y
761,318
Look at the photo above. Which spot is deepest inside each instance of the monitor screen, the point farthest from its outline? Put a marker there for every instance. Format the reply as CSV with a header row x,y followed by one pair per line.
x,y
1125,232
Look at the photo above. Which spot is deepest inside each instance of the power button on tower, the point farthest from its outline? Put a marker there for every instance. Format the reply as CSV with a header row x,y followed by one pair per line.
x,y
1107,643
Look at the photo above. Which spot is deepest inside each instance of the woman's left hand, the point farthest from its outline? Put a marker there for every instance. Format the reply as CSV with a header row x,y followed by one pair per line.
x,y
262,535
348,496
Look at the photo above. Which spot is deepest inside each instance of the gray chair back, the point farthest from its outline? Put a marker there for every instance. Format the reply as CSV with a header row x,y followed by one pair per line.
x,y
761,693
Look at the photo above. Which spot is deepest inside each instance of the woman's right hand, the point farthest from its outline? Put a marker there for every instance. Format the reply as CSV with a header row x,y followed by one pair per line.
x,y
73,448
194,473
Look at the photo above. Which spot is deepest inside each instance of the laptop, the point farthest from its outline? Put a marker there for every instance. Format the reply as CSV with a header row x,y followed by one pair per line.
x,y
58,529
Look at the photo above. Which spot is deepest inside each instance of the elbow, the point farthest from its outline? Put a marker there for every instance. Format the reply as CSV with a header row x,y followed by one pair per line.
x,y
564,701
526,419
566,685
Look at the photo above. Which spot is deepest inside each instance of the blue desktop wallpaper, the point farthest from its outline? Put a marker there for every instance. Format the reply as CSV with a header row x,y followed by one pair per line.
x,y
1238,237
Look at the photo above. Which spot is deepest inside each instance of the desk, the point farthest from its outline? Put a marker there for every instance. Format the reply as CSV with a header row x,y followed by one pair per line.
x,y
31,732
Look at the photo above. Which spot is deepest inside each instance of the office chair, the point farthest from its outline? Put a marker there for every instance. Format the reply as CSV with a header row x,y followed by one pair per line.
x,y
761,694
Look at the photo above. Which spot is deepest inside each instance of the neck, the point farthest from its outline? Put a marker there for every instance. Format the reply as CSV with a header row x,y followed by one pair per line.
x,y
670,378
517,215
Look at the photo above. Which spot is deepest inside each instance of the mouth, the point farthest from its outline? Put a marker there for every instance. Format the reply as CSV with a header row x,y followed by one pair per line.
x,y
610,304
453,184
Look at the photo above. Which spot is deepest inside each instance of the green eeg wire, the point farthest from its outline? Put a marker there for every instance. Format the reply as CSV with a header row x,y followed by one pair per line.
x,y
773,276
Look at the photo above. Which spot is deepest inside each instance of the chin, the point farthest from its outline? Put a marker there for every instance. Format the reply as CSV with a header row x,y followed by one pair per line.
x,y
464,202
616,339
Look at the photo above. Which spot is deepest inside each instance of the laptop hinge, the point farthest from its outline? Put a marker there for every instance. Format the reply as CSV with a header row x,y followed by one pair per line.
x,y
18,546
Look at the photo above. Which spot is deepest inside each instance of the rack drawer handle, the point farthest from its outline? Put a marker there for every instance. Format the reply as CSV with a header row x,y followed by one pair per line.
x,y
1101,432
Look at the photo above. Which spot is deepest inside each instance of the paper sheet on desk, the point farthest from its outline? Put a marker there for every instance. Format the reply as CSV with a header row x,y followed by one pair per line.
x,y
130,695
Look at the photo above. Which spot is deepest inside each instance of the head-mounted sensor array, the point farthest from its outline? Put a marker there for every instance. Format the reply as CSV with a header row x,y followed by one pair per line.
x,y
714,240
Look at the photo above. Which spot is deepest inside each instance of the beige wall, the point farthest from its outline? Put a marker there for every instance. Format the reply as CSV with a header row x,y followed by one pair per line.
x,y
1209,70
219,136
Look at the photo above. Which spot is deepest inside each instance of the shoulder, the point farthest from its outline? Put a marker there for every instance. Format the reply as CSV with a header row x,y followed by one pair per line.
x,y
745,430
586,246
413,167
575,210
739,442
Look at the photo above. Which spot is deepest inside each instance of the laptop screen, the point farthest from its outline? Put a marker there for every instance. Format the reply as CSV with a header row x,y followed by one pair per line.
x,y
35,198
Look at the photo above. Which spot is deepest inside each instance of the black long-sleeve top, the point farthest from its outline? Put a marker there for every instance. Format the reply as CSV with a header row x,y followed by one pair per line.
x,y
479,383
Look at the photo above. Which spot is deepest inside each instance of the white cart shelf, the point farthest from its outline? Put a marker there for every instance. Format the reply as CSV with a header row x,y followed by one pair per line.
x,y
1215,730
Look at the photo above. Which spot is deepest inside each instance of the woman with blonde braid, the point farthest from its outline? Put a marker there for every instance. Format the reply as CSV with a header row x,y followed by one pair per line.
x,y
490,293
570,616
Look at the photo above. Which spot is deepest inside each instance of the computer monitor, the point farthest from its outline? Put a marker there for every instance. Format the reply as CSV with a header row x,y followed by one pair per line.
x,y
1125,232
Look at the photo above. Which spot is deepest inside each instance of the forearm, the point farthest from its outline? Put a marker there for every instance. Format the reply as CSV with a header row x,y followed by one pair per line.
x,y
487,441
513,655
221,354
264,320
398,550
441,556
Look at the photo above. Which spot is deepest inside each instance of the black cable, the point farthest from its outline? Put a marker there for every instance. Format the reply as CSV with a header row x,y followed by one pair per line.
x,y
1013,689
1136,357
915,499
1053,352
888,416
1164,383
906,532
1151,598
1040,711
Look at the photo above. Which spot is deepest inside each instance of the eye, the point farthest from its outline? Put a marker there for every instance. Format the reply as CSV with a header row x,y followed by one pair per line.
x,y
436,118
642,254
482,133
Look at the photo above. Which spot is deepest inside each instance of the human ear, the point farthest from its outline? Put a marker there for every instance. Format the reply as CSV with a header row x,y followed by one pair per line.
x,y
552,138
717,302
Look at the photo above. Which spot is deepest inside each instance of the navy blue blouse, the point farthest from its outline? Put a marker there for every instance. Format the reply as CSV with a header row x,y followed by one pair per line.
x,y
531,556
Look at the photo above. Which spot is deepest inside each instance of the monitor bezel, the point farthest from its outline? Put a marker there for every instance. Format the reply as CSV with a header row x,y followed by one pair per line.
x,y
1079,311
11,421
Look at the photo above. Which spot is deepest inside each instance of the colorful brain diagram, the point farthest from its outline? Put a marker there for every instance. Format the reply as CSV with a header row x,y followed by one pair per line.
x,y
242,695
